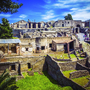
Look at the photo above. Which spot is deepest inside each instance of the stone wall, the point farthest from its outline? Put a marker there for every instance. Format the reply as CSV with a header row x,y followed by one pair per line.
x,y
79,73
4,48
62,59
25,63
30,45
71,65
17,65
10,66
82,67
41,42
53,69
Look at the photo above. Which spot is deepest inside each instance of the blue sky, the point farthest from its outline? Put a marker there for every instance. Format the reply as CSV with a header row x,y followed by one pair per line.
x,y
47,10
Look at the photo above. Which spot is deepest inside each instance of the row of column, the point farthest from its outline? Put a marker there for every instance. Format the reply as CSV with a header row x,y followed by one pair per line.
x,y
34,24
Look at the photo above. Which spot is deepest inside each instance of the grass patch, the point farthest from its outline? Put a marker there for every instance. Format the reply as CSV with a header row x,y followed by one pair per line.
x,y
77,53
72,56
30,69
25,74
81,80
40,82
66,73
60,55
81,57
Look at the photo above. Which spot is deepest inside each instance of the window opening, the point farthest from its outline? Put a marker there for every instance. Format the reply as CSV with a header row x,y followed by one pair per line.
x,y
42,47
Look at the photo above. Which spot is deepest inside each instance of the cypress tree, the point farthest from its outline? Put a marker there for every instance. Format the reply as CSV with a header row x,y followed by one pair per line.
x,y
5,30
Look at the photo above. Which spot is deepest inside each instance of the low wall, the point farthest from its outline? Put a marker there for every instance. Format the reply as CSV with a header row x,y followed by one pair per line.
x,y
36,63
7,65
17,65
79,73
53,69
82,67
71,65
61,59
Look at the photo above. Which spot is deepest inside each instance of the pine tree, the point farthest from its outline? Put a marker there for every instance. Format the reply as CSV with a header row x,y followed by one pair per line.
x,y
5,30
68,17
9,6
7,82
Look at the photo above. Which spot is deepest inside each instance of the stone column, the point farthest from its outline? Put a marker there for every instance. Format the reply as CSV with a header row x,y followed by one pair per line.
x,y
45,26
31,25
18,50
78,29
68,47
74,30
41,25
36,25
27,25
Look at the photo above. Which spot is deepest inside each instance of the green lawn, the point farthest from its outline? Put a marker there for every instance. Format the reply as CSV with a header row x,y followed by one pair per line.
x,y
81,80
39,82
60,55
81,57
66,73
72,56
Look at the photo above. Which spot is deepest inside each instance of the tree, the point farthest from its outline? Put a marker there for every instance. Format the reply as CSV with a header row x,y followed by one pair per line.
x,y
5,30
7,82
68,17
9,6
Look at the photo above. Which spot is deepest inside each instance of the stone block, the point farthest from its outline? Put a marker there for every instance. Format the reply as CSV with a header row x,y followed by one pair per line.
x,y
31,73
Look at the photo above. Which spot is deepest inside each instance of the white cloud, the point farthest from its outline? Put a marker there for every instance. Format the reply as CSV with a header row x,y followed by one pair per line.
x,y
60,5
74,9
14,19
5,15
23,16
55,19
72,1
79,13
49,15
80,9
84,15
65,13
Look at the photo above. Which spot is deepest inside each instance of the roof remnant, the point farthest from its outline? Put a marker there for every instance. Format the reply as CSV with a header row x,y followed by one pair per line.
x,y
9,41
62,41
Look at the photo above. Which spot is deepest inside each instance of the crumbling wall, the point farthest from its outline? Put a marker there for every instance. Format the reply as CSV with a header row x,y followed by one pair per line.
x,y
9,66
81,67
4,48
36,63
39,42
72,65
79,73
55,72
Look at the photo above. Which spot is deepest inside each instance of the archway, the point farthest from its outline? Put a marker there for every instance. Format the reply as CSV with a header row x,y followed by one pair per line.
x,y
77,25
